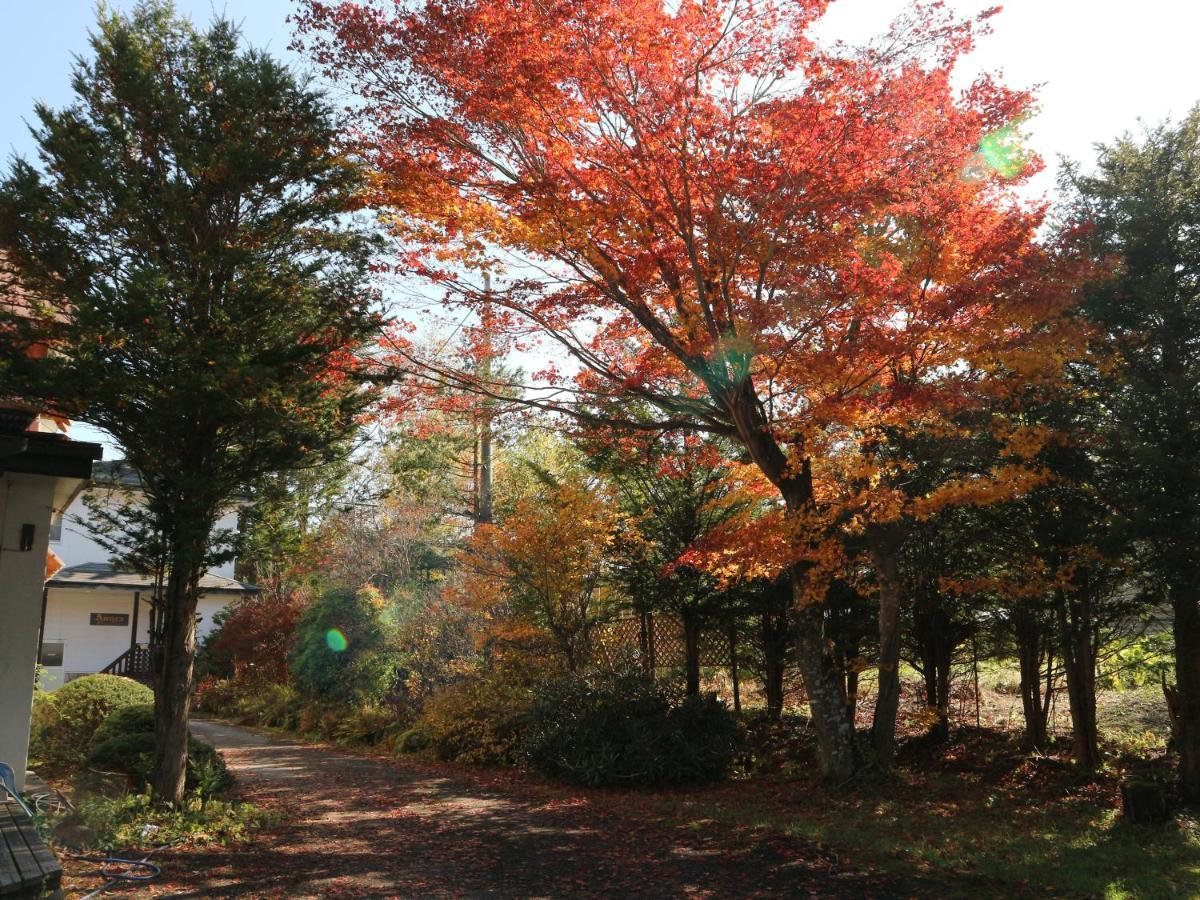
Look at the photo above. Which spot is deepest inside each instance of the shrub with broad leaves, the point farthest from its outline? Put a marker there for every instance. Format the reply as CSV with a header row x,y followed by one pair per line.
x,y
620,728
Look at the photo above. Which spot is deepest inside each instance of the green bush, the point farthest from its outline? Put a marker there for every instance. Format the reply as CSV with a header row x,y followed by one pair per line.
x,y
339,654
622,729
65,721
477,721
126,720
124,743
415,739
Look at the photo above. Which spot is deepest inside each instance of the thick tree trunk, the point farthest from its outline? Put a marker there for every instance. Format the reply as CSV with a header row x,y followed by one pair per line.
x,y
691,653
1079,660
1186,606
174,675
837,754
887,704
1031,653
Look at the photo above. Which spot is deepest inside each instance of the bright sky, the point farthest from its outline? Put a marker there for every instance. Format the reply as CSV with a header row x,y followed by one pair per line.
x,y
1101,64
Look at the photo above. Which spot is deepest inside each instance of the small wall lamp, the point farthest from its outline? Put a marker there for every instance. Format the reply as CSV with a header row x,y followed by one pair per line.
x,y
27,532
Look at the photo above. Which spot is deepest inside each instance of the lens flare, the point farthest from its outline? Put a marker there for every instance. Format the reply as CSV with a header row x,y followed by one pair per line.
x,y
1001,151
335,639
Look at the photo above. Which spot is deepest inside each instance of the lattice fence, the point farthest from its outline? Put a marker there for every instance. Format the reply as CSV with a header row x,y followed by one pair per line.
x,y
659,642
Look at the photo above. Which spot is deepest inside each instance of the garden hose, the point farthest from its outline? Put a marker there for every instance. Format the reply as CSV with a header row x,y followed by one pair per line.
x,y
116,870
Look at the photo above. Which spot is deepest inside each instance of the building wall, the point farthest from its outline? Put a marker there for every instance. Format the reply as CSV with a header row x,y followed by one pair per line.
x,y
24,499
73,543
88,648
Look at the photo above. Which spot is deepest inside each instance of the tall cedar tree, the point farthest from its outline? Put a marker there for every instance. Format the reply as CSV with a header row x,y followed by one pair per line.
x,y
1144,205
760,237
198,282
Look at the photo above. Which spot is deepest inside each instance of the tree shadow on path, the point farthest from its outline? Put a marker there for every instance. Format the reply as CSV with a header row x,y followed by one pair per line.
x,y
363,827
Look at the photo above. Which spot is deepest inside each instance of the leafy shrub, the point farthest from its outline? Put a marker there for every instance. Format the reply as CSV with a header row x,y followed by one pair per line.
x,y
621,729
477,721
137,719
339,653
1141,661
65,721
776,746
252,639
215,695
367,725
124,743
415,739
134,820
272,705
436,648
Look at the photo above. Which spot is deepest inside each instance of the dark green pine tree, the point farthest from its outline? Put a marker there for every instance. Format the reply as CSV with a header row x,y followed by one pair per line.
x,y
1144,205
204,290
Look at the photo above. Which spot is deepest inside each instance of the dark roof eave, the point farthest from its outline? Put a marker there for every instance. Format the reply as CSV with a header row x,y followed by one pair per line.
x,y
116,586
35,453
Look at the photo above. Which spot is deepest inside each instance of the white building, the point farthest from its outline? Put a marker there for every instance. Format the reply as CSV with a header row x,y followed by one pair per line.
x,y
41,470
98,619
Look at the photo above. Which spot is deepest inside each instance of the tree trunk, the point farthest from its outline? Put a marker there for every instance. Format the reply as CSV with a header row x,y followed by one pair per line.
x,y
1186,606
837,754
936,640
772,676
1030,654
836,751
1079,660
174,675
775,635
691,653
887,704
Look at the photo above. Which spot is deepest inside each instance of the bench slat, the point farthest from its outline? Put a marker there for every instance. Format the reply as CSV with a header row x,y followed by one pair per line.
x,y
26,863
29,873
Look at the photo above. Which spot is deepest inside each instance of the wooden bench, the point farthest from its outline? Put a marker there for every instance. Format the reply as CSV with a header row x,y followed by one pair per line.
x,y
28,868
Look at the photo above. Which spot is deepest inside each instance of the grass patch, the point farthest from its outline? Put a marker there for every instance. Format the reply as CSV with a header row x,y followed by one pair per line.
x,y
975,812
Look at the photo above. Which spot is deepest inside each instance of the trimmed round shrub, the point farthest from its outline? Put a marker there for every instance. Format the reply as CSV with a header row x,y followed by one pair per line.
x,y
127,720
65,721
124,743
622,729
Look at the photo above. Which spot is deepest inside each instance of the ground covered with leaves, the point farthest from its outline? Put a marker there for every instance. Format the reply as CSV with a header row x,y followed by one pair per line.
x,y
977,817
353,825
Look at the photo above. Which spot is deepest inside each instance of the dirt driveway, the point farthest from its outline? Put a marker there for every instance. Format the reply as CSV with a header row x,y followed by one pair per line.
x,y
355,826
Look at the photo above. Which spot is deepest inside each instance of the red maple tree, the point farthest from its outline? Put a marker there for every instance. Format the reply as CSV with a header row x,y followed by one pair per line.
x,y
711,212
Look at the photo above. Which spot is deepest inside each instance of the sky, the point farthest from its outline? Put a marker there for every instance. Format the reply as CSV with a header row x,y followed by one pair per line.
x,y
1098,65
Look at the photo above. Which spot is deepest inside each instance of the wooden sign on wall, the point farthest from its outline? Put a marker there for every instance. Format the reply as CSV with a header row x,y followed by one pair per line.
x,y
110,619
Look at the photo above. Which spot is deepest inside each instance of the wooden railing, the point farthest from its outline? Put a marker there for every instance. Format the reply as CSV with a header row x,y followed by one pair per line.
x,y
133,663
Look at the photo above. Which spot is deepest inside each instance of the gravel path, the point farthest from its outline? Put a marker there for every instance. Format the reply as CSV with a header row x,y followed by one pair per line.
x,y
356,826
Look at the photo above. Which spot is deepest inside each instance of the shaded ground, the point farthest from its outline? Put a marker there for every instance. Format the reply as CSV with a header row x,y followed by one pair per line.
x,y
361,827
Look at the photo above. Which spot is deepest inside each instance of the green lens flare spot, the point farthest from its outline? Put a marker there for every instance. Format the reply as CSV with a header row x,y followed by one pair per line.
x,y
1001,152
336,640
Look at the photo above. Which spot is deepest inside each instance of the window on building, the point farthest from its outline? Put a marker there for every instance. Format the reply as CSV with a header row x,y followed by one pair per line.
x,y
56,529
52,654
